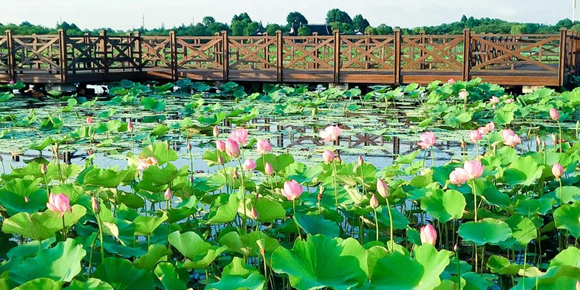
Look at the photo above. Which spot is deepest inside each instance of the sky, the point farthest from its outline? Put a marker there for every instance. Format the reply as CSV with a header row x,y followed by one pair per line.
x,y
126,14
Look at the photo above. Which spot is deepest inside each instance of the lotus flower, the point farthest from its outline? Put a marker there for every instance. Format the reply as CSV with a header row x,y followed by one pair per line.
x,y
95,205
451,81
144,163
89,120
428,235
220,145
330,133
328,156
263,146
374,202
510,138
557,170
167,195
463,94
59,203
509,101
292,190
458,176
268,169
473,168
189,147
130,127
578,285
240,136
360,161
382,188
249,165
254,213
427,140
232,148
494,100
554,114
216,131
220,160
475,136
43,169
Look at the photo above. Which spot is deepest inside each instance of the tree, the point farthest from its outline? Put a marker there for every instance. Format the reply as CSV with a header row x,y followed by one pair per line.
x,y
359,23
272,28
303,31
208,20
296,18
337,15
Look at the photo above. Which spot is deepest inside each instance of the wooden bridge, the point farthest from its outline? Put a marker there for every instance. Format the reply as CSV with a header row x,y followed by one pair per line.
x,y
547,60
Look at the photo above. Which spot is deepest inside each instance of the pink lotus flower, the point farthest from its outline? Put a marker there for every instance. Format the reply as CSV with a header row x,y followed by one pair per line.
x,y
59,203
475,136
578,285
328,156
249,165
473,168
263,146
268,169
554,114
490,126
240,136
292,190
428,235
167,195
216,131
382,188
11,82
89,120
220,145
232,148
144,163
557,170
330,133
451,81
463,94
458,176
494,100
427,140
374,202
510,138
509,101
130,127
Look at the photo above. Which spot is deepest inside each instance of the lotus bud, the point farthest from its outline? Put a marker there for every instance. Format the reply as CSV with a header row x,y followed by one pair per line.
x,y
456,248
360,161
89,120
374,202
95,205
428,235
167,145
191,179
327,156
220,160
249,165
320,192
557,170
260,244
232,148
235,175
216,131
189,147
338,159
463,145
382,188
220,145
554,114
254,213
130,127
26,199
90,152
43,169
578,285
268,169
167,195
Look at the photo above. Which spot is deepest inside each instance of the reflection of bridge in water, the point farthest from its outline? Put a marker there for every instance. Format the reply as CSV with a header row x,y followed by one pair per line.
x,y
549,60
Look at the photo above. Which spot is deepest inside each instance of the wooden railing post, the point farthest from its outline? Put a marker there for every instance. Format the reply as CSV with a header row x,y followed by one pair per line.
x,y
63,55
173,50
315,64
397,62
422,53
563,55
138,53
279,57
465,74
266,50
11,62
103,49
225,56
367,49
336,56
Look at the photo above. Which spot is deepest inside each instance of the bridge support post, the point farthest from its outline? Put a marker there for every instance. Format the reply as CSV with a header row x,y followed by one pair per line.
x,y
11,62
465,74
138,53
397,61
173,41
225,56
336,56
422,53
279,57
563,54
104,52
63,55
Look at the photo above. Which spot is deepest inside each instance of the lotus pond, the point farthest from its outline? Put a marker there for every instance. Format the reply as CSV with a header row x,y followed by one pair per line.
x,y
454,185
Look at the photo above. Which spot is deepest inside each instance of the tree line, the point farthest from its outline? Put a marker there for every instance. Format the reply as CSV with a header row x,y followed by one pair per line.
x,y
243,25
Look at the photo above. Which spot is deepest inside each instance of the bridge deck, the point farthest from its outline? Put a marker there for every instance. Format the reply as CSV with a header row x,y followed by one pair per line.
x,y
550,60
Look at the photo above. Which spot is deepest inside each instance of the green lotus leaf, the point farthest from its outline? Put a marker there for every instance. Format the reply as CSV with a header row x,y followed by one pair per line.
x,y
60,263
90,284
269,210
523,230
145,225
569,256
155,254
523,171
247,245
226,212
444,206
316,224
169,277
41,226
320,262
23,195
278,163
122,274
486,231
108,178
39,284
567,217
559,277
239,275
160,152
500,265
399,220
193,247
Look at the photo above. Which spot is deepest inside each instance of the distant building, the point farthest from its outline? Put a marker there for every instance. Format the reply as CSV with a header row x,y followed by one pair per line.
x,y
321,29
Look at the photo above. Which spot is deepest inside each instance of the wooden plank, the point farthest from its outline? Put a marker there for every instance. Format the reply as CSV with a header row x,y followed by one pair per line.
x,y
173,50
562,62
225,55
279,56
397,64
11,61
337,46
466,55
63,55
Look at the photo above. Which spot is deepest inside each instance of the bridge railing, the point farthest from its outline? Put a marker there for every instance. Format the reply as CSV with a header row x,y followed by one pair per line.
x,y
336,58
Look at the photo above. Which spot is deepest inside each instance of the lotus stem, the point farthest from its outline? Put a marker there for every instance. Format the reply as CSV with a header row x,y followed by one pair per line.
x,y
474,200
560,136
63,229
458,268
390,225
3,168
432,156
376,225
561,191
295,220
243,190
335,185
100,225
89,270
